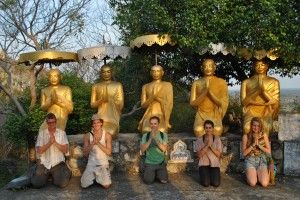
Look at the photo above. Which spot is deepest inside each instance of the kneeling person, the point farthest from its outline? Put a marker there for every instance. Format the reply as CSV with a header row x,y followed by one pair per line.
x,y
154,144
209,153
98,145
51,145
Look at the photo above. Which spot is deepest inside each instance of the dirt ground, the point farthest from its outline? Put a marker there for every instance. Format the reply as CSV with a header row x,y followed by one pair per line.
x,y
180,186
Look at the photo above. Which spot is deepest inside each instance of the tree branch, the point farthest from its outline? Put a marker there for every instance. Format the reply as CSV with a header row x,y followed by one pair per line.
x,y
14,99
135,108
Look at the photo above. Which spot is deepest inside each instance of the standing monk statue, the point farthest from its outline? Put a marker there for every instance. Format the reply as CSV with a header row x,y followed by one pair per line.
x,y
157,98
56,99
108,97
260,98
209,95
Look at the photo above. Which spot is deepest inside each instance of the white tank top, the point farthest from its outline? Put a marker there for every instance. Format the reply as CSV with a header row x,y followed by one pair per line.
x,y
97,156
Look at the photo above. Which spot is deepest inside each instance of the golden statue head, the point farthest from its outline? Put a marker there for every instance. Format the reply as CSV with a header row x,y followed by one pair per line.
x,y
54,77
261,67
208,67
157,72
106,72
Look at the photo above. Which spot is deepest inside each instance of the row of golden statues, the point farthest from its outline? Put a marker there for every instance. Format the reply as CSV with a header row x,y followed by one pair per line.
x,y
209,96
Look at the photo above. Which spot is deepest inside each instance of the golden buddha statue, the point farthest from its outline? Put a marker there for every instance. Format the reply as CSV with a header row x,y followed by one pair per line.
x,y
157,98
57,99
209,95
260,98
108,97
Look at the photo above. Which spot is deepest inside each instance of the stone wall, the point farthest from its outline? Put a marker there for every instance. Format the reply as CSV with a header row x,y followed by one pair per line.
x,y
126,153
289,138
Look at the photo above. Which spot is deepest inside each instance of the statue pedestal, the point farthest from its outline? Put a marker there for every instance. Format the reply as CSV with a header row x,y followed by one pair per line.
x,y
126,153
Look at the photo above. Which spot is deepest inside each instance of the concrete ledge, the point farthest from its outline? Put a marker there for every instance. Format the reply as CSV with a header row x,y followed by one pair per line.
x,y
126,153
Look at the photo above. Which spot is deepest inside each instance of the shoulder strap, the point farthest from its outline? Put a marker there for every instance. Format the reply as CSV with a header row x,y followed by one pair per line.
x,y
91,133
147,137
162,135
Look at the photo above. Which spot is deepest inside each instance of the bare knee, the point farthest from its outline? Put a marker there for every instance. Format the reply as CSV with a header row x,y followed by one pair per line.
x,y
264,183
106,186
252,183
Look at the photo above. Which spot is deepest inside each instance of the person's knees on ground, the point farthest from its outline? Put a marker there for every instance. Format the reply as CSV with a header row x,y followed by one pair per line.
x,y
38,182
163,181
252,183
61,184
205,183
148,180
215,184
37,185
106,186
264,183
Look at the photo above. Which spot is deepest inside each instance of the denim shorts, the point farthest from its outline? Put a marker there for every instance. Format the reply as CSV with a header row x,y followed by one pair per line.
x,y
256,161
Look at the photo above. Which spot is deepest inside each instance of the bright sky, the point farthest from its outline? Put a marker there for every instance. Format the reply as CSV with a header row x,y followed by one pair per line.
x,y
285,83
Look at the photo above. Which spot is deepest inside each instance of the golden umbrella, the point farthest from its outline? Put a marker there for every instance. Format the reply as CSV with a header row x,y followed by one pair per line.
x,y
47,56
153,42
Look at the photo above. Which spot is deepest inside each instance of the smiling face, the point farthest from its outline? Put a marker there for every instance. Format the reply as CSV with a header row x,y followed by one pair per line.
x,y
96,124
106,73
154,124
255,126
208,67
54,77
51,123
157,72
261,67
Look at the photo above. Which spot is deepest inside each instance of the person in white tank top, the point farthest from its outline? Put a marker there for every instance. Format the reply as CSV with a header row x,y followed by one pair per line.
x,y
98,146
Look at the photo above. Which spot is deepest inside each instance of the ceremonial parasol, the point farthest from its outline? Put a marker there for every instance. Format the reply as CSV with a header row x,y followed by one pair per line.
x,y
103,52
153,43
241,52
47,56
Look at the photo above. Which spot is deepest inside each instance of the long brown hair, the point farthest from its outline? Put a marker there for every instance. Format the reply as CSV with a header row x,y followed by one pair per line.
x,y
250,134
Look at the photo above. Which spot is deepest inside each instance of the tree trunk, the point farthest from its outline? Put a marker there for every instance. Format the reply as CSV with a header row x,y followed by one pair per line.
x,y
14,99
32,87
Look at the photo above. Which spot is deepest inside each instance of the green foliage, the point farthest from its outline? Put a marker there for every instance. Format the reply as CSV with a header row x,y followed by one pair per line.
x,y
296,107
182,118
133,74
19,129
262,24
22,129
234,106
80,120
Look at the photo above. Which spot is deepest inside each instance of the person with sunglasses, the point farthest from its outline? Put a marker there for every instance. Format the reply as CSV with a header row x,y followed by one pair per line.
x,y
51,146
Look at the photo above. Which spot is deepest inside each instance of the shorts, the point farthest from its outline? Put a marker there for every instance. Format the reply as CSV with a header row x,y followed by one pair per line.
x,y
256,162
100,173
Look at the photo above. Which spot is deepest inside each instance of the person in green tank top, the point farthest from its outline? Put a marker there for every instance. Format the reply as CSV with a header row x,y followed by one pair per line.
x,y
154,145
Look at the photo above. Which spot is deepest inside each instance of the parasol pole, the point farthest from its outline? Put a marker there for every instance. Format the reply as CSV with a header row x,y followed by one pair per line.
x,y
155,57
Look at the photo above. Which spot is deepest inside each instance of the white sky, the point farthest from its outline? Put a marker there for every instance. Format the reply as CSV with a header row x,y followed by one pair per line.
x,y
285,83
